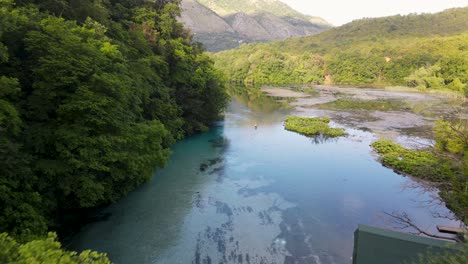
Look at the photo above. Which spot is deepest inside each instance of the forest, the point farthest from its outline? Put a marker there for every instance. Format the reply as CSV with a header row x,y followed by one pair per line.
x,y
427,51
93,93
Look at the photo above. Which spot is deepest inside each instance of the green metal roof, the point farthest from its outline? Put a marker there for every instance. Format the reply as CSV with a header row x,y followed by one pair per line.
x,y
380,246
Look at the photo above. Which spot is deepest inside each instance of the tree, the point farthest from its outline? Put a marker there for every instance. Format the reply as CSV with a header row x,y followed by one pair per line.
x,y
46,250
92,95
452,137
425,77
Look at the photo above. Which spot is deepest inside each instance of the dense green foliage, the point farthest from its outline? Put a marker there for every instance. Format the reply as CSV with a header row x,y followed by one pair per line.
x,y
313,126
92,95
446,164
452,137
46,250
422,51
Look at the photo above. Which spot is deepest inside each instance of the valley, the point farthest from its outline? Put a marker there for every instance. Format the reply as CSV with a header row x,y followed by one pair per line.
x,y
231,132
425,52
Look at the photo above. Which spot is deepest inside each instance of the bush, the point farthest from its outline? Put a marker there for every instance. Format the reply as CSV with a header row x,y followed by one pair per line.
x,y
46,250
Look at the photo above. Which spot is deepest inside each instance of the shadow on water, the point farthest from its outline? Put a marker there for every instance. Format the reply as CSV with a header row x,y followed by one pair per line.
x,y
77,221
140,226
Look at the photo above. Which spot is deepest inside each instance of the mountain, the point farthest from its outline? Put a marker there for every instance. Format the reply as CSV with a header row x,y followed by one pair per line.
x,y
221,24
423,51
277,8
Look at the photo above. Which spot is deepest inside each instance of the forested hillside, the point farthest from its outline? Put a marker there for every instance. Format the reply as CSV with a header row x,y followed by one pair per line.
x,y
92,95
424,51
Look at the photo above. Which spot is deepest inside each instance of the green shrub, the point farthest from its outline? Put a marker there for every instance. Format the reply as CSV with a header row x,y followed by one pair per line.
x,y
46,250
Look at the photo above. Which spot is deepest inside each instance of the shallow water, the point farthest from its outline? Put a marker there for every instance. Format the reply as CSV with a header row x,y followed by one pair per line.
x,y
242,195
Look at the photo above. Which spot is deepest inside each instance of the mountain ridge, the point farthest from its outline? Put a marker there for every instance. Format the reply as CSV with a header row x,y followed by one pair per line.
x,y
252,7
222,25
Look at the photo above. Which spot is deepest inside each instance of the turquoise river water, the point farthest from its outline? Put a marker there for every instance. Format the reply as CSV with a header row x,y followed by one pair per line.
x,y
237,194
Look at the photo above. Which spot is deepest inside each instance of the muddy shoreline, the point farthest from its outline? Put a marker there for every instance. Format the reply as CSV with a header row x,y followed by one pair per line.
x,y
410,125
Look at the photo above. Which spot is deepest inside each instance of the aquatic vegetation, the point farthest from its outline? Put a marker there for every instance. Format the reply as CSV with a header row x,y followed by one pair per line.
x,y
446,168
368,105
313,126
419,163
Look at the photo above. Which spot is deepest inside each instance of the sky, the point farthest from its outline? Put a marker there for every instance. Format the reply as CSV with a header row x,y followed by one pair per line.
x,y
339,12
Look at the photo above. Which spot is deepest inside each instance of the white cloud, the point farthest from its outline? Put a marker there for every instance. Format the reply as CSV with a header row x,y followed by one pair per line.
x,y
339,12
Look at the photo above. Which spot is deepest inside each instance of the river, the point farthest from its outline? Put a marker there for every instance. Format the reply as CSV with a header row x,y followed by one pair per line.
x,y
237,194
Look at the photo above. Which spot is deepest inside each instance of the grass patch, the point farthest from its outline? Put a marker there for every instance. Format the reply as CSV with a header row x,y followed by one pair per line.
x,y
447,173
313,126
367,105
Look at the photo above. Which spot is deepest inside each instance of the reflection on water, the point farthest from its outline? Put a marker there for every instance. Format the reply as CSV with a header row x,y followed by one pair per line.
x,y
252,107
256,100
243,195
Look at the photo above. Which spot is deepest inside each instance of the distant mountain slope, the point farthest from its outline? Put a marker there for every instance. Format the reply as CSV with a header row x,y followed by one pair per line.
x,y
424,51
444,23
275,7
201,19
221,24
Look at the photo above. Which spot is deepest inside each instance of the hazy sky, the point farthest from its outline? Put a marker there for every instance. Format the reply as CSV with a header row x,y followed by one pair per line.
x,y
339,12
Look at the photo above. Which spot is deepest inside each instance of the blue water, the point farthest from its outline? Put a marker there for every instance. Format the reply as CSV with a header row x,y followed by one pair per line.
x,y
243,195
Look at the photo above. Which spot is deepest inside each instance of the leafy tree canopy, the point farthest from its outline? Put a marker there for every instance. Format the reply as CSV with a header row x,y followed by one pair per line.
x,y
46,250
92,95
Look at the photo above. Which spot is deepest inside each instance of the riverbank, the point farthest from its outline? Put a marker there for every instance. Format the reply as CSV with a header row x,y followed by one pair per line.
x,y
403,116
